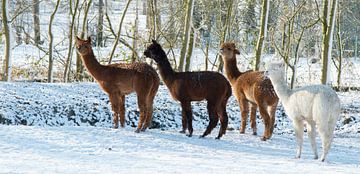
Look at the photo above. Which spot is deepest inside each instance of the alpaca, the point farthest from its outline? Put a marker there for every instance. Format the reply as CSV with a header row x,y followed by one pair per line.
x,y
194,86
118,80
250,88
315,105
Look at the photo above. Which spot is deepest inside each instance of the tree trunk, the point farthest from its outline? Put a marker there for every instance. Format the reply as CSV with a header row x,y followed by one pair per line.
x,y
136,26
340,49
99,34
51,39
224,32
71,29
7,48
18,27
262,34
186,33
79,65
190,49
119,32
327,40
36,16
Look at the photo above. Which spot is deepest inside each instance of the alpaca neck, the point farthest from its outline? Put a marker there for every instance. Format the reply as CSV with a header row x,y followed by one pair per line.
x,y
166,71
281,88
231,69
93,66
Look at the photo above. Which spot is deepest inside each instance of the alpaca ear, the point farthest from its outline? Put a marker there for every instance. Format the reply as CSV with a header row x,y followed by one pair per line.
x,y
77,38
154,41
89,39
236,51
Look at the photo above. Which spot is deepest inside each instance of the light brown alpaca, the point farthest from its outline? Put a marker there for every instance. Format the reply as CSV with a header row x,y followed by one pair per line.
x,y
118,80
250,88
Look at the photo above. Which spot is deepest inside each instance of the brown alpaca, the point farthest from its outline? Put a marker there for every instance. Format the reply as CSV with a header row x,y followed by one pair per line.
x,y
194,86
250,88
118,80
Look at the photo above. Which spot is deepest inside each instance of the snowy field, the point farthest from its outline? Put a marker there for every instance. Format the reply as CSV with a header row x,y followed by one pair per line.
x,y
68,131
26,149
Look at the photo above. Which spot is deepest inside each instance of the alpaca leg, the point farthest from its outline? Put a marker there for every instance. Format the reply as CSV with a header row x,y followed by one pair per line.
x,y
244,107
142,108
299,132
213,119
122,110
326,135
150,103
253,118
148,116
223,120
115,108
186,117
266,118
312,137
272,111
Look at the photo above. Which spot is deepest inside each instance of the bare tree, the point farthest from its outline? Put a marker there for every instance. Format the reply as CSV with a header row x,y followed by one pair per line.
x,y
51,40
99,32
36,16
328,20
7,48
186,33
119,31
79,66
71,34
262,34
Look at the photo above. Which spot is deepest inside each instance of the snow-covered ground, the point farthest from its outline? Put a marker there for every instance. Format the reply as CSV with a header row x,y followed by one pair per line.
x,y
70,133
32,149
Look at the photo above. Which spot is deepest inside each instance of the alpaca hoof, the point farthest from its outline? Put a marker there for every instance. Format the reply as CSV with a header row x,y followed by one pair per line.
x,y
316,157
242,132
201,136
254,133
263,138
143,129
217,138
189,135
182,131
122,126
137,131
115,127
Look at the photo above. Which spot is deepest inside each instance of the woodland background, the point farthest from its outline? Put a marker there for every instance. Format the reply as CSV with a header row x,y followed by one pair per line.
x,y
37,42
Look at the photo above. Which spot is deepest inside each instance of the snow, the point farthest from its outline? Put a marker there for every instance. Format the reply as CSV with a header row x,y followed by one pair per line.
x,y
71,132
32,149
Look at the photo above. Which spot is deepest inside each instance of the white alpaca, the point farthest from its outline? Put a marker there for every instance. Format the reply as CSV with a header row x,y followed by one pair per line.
x,y
314,105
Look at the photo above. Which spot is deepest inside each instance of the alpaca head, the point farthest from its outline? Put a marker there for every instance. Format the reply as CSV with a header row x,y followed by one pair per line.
x,y
275,70
228,50
155,51
83,47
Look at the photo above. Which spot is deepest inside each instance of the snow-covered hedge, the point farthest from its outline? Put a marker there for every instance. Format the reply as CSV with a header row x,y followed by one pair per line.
x,y
84,104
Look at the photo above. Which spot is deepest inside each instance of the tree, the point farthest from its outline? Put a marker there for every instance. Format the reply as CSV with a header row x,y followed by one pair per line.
x,y
186,33
190,49
225,31
7,48
36,16
262,34
79,65
99,32
119,32
71,34
328,21
51,40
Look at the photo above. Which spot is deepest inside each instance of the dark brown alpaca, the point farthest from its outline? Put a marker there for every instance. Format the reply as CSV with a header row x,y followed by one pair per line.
x,y
118,80
194,86
250,88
